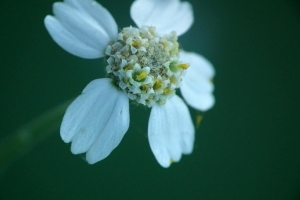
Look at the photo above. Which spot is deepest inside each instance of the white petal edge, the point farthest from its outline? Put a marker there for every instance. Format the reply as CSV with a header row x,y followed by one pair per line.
x,y
97,120
197,86
83,28
171,131
165,15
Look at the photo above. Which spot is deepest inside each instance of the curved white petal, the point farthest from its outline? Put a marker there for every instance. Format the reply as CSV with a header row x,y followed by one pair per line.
x,y
199,101
98,13
171,131
81,27
97,120
165,15
197,86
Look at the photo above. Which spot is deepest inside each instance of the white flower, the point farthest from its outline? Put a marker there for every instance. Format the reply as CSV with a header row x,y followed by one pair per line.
x,y
144,65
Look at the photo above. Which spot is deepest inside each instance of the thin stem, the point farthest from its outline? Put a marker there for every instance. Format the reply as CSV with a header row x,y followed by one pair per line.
x,y
28,136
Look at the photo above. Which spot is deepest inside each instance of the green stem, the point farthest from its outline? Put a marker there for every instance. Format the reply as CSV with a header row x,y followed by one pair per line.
x,y
28,136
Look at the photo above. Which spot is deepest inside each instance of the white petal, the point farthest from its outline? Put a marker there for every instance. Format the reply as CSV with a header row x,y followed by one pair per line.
x,y
83,28
68,41
171,131
165,15
97,13
199,101
197,86
113,132
100,112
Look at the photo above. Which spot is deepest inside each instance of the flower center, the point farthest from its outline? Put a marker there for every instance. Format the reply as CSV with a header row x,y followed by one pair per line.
x,y
145,65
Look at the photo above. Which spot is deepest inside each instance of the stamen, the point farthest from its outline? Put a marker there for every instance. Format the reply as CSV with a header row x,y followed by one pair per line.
x,y
128,67
142,76
157,85
137,44
184,66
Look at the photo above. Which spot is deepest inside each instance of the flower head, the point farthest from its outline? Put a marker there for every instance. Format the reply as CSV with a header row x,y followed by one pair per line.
x,y
144,65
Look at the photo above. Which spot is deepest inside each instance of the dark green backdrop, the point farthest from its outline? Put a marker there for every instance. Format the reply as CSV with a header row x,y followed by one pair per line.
x,y
247,147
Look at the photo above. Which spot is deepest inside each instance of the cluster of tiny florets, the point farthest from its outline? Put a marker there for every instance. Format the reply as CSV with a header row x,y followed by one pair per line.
x,y
145,65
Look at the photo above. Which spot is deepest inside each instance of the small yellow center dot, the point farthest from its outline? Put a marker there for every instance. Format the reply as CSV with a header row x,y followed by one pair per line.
x,y
142,76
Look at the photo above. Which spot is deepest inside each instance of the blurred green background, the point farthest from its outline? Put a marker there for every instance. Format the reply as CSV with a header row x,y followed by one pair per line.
x,y
247,147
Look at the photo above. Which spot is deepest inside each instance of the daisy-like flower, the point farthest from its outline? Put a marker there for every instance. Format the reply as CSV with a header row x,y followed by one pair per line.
x,y
144,65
